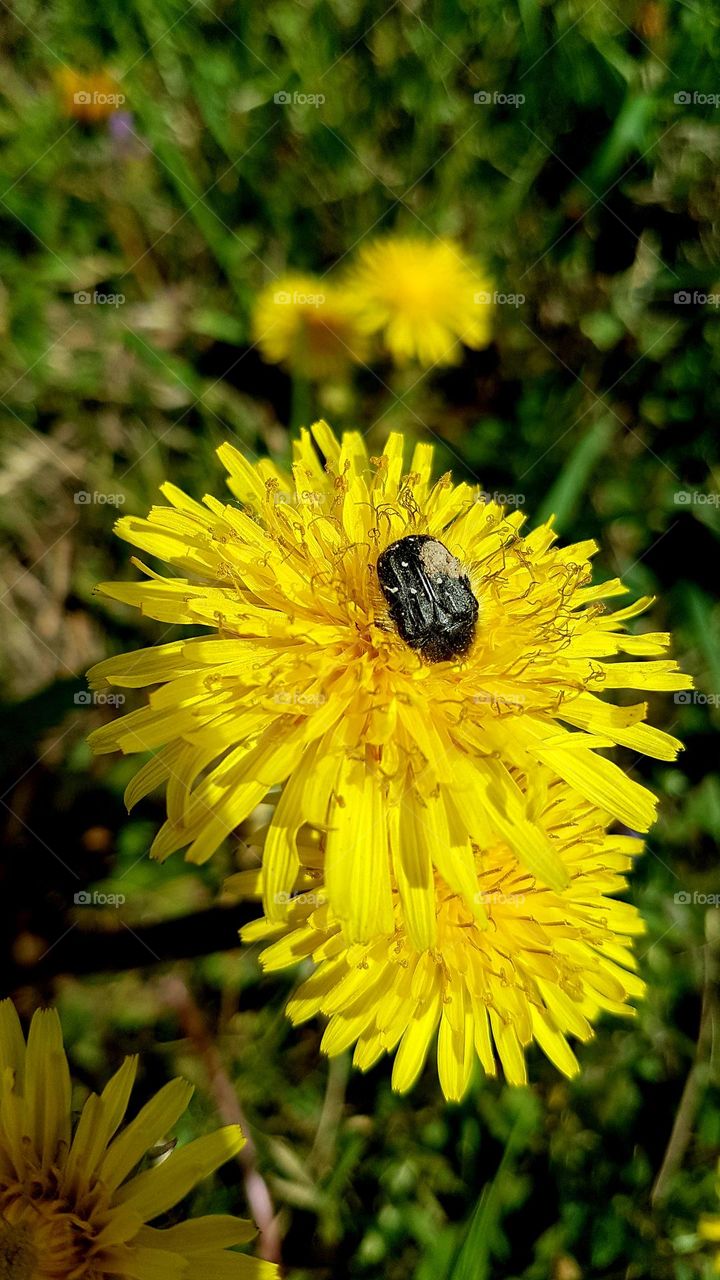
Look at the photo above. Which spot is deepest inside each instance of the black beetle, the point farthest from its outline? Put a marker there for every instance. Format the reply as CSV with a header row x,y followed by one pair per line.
x,y
429,597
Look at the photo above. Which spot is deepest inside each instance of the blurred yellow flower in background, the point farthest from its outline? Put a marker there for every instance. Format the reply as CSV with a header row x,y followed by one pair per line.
x,y
308,325
540,967
72,1206
405,764
89,96
710,1230
422,297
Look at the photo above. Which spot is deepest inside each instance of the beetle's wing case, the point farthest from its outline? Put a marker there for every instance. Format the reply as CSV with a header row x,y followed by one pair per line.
x,y
411,601
430,599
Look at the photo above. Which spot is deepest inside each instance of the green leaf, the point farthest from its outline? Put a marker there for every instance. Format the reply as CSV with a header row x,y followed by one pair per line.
x,y
473,1261
565,495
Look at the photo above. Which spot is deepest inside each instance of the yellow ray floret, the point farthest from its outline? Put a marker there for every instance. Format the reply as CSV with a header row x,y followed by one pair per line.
x,y
303,681
542,969
72,1206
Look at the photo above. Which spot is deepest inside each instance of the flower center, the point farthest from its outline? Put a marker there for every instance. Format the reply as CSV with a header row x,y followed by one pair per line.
x,y
18,1257
43,1240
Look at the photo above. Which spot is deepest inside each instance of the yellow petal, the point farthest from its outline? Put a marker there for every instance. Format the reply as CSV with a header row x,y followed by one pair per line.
x,y
412,862
415,1043
154,1121
200,1235
156,1190
553,1044
47,1086
357,855
153,1264
456,1043
603,783
12,1041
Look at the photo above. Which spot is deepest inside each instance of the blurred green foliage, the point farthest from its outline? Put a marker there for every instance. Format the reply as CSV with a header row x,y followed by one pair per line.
x,y
595,198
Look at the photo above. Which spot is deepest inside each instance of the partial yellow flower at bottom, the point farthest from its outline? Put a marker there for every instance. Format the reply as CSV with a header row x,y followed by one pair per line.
x,y
423,297
308,325
541,966
71,1205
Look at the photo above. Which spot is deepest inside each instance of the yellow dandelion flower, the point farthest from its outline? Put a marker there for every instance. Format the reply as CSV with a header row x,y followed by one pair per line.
x,y
403,726
309,325
72,1206
709,1229
541,967
425,298
89,96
